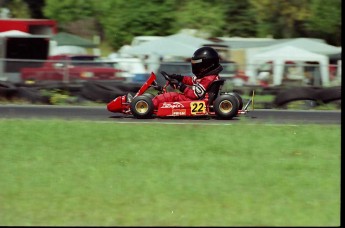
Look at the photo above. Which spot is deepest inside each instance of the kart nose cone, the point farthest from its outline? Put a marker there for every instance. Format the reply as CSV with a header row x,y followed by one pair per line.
x,y
115,105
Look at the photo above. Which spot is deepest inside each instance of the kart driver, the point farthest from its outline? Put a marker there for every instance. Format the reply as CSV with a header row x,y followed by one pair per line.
x,y
205,67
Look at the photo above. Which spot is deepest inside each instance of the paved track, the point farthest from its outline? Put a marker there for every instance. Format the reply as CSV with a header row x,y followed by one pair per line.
x,y
269,116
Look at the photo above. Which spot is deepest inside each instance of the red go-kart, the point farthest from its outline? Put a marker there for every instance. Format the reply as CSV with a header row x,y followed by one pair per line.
x,y
221,105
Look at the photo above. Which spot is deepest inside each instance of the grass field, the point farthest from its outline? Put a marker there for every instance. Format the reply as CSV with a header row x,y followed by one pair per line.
x,y
77,173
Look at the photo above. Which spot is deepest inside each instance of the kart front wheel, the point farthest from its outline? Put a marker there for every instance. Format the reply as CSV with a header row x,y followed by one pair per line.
x,y
142,107
226,106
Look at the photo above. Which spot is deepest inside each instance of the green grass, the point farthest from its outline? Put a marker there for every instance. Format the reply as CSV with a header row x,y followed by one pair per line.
x,y
77,173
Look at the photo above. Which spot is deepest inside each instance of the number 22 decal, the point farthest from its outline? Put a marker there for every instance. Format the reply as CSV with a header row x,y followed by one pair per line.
x,y
198,107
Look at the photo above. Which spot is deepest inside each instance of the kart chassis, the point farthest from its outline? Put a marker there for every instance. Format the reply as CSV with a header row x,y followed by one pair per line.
x,y
219,104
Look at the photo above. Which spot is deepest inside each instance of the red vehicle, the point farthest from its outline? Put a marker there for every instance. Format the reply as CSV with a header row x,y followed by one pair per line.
x,y
216,103
71,68
32,26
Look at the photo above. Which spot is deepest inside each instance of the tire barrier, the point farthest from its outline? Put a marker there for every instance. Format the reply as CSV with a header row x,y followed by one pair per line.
x,y
105,91
295,94
271,90
130,87
7,90
317,94
330,94
33,95
102,91
98,91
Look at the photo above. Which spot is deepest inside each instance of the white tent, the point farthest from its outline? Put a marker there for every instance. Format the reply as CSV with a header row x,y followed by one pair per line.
x,y
174,47
281,55
14,33
178,45
312,45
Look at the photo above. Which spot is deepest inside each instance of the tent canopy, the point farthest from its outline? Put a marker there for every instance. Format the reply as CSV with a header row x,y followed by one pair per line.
x,y
180,45
67,39
311,45
283,54
287,53
14,33
17,33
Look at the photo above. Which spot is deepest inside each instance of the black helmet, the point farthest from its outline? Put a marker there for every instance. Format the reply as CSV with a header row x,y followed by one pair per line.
x,y
204,60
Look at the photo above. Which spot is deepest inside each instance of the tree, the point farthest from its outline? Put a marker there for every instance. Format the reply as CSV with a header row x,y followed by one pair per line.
x,y
281,19
205,16
18,8
65,11
239,17
77,16
299,18
35,7
325,20
118,21
124,19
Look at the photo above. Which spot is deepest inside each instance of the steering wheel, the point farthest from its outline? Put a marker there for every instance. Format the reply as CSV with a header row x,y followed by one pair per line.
x,y
165,75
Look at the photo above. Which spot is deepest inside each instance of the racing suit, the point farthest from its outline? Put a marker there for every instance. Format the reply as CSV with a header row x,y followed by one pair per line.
x,y
192,88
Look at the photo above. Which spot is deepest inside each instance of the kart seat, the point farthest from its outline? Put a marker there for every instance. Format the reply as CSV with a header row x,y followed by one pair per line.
x,y
213,90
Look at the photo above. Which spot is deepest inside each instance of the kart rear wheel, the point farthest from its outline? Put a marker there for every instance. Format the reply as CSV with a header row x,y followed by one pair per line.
x,y
226,106
239,98
142,107
150,95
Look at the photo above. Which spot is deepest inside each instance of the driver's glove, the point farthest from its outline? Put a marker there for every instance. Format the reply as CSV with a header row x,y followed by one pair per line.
x,y
174,76
174,83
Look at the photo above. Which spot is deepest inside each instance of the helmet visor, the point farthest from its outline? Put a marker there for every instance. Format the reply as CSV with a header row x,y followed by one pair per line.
x,y
196,61
196,66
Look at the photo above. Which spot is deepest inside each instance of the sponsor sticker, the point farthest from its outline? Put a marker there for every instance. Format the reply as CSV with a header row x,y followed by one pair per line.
x,y
172,105
179,112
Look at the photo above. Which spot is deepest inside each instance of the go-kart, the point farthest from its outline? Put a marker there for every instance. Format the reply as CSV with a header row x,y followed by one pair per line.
x,y
215,103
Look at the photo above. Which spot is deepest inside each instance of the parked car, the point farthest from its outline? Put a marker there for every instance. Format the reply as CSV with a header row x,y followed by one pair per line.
x,y
71,68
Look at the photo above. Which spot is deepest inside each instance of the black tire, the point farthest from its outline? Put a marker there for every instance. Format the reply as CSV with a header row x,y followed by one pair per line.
x,y
51,85
100,92
126,87
33,95
142,107
7,89
149,95
271,90
226,106
129,87
239,99
330,94
295,94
